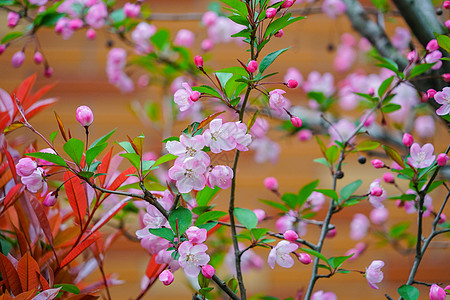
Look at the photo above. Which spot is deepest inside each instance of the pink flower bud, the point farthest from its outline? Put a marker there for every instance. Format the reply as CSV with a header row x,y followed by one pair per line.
x,y
423,97
18,59
208,271
271,183
287,3
143,81
290,235
304,258
399,203
84,115
198,61
447,24
446,77
446,4
195,95
388,177
91,34
432,45
377,164
38,57
304,135
296,122
75,24
331,233
207,44
407,140
379,216
260,214
13,19
50,199
376,191
412,56
437,293
2,48
292,83
442,159
279,33
25,167
131,10
166,277
48,72
431,93
252,66
271,12
442,219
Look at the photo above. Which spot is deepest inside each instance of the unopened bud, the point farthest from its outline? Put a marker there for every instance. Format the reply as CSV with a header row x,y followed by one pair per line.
x,y
38,57
198,61
296,122
252,66
271,183
271,12
292,83
378,164
195,95
407,140
84,115
290,235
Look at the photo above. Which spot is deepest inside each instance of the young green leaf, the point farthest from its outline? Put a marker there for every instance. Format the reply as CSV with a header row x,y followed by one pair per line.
x,y
164,233
74,148
408,292
349,189
246,217
269,59
181,218
50,157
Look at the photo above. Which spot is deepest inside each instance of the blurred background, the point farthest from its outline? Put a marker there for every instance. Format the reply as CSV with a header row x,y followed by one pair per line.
x,y
79,70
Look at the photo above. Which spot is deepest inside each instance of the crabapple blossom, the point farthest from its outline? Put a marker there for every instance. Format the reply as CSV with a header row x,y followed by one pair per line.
x,y
379,215
388,177
437,293
259,128
374,274
271,12
44,162
356,251
376,191
432,45
443,98
315,201
17,59
220,136
434,57
279,33
25,167
35,181
304,258
292,83
304,135
442,218
166,277
281,254
115,64
189,147
84,115
296,122
165,256
198,60
220,176
260,214
331,233
96,15
131,10
209,18
2,48
424,126
192,257
376,201
188,174
410,206
446,4
271,183
184,38
447,24
321,295
141,36
13,18
290,235
249,260
407,140
446,77
184,97
431,93
208,271
207,44
241,137
293,74
252,66
377,164
289,222
319,83
333,8
421,157
341,131
38,57
50,199
344,59
75,24
38,2
442,159
287,3
196,235
277,101
358,227
48,72
401,38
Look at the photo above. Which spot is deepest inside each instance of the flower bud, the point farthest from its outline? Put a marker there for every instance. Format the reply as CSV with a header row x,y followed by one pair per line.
x,y
407,140
304,135
195,95
18,59
131,10
2,48
431,93
48,72
38,57
331,233
207,44
50,199
412,56
91,34
198,61
292,83
25,167
442,159
377,164
379,216
442,218
271,183
252,66
166,277
388,177
208,271
271,12
13,19
437,293
423,97
446,77
446,4
447,24
290,235
371,91
84,115
279,33
432,45
304,258
287,3
296,122
75,24
260,214
376,191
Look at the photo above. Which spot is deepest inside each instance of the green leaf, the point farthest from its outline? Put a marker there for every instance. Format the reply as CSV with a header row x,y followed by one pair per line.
x,y
349,189
274,204
394,155
165,158
234,70
332,154
93,152
419,69
246,217
306,191
330,193
258,233
239,6
367,146
160,38
47,18
408,292
314,253
206,195
53,136
183,217
164,233
68,288
290,199
7,2
238,19
280,23
208,226
224,77
337,261
398,229
53,158
209,216
207,90
384,86
133,158
127,147
322,161
390,107
232,283
102,139
269,59
11,36
443,41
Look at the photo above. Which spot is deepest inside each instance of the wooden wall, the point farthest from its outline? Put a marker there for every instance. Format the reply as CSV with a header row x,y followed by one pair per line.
x,y
80,72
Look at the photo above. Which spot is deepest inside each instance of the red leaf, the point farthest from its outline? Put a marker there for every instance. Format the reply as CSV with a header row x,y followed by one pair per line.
x,y
26,295
13,194
38,95
43,282
104,166
120,179
11,163
22,240
153,270
28,270
38,106
76,195
79,248
10,275
42,218
61,127
25,88
106,217
208,120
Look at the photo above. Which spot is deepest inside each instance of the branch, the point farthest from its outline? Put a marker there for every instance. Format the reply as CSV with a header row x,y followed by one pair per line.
x,y
224,287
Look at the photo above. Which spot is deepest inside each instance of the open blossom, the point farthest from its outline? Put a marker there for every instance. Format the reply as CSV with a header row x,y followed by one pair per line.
x,y
249,260
189,175
192,258
437,293
344,59
35,181
379,216
220,176
289,222
196,235
358,227
401,38
185,97
356,251
141,36
321,295
281,254
219,136
259,128
166,277
164,256
411,206
189,147
25,167
374,274
115,64
424,126
184,38
341,131
96,15
131,10
434,57
241,137
293,74
277,101
333,8
443,98
315,201
209,18
265,150
421,157
376,198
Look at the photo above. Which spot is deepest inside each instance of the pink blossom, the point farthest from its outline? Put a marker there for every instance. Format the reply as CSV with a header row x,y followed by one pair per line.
x,y
241,137
189,147
359,226
271,12
379,216
252,66
447,24
249,260
38,2
96,15
220,176
219,137
401,38
388,177
376,201
446,77
289,222
304,258
222,29
446,4
84,115
331,233
50,199
44,162
189,175
209,18
75,24
377,164
166,277
17,59
131,10
376,191
290,235
434,57
184,38
431,93
281,254
321,295
320,83
265,150
432,45
260,214
374,274
198,60
259,128
407,140
279,34
38,57
344,59
192,258
208,271
437,293
296,122
182,97
421,157
293,74
424,126
207,44
277,101
25,167
341,131
442,159
141,36
35,181
411,206
356,251
292,83
2,48
196,235
315,201
369,118
13,18
443,98
62,27
115,65
271,183
333,8
304,135
287,3
165,256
